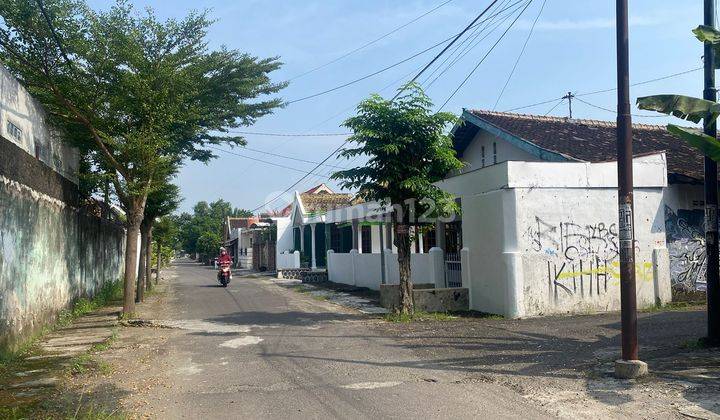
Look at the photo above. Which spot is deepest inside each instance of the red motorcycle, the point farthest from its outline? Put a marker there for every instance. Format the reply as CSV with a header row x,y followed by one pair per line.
x,y
225,274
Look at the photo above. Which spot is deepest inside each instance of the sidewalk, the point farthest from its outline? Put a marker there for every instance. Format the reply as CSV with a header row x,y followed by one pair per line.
x,y
33,383
566,363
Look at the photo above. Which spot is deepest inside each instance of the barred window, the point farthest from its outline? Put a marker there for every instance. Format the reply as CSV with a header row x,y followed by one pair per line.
x,y
14,131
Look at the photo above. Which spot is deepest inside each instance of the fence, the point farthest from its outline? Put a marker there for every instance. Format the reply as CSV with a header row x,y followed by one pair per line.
x,y
288,260
363,270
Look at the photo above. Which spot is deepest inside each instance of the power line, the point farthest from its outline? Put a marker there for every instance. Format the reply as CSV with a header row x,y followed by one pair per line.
x,y
301,179
473,43
522,51
555,106
486,55
262,161
257,133
381,70
644,82
448,46
289,157
615,112
370,42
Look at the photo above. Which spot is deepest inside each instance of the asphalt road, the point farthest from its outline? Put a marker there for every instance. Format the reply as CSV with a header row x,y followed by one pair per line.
x,y
257,350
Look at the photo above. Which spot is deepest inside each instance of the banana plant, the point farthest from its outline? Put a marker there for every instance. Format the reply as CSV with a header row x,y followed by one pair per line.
x,y
690,108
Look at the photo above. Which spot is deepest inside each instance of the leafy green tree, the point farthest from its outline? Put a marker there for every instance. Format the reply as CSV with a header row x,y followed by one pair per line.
x,y
162,201
165,235
690,108
408,150
208,244
141,93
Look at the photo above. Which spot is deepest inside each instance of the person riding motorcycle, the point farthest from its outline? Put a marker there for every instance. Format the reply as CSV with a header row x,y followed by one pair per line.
x,y
224,260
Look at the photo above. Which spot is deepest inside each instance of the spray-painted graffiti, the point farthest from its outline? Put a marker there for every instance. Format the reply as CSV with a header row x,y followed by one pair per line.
x,y
686,246
583,258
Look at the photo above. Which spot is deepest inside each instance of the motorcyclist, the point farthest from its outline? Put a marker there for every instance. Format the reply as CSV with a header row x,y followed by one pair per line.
x,y
224,260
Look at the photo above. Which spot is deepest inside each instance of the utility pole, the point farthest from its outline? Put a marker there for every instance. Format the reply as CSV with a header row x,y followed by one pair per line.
x,y
711,192
629,366
569,97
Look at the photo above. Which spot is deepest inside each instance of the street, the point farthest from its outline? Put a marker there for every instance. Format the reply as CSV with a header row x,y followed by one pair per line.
x,y
255,350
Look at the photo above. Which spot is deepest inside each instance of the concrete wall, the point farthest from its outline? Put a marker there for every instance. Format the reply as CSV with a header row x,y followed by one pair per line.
x,y
543,239
288,260
364,270
284,236
23,122
472,156
685,226
51,254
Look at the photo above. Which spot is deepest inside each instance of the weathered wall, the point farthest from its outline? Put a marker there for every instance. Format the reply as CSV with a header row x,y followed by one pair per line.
x,y
50,255
541,237
685,226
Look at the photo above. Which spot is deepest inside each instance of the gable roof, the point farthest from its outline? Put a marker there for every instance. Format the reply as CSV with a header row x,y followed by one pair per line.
x,y
558,139
318,189
323,201
241,222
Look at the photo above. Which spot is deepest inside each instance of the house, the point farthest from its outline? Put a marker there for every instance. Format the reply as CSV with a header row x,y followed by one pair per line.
x,y
486,138
238,239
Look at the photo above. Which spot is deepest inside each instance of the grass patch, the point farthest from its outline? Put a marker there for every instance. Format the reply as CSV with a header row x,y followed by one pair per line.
x,y
55,411
420,316
672,306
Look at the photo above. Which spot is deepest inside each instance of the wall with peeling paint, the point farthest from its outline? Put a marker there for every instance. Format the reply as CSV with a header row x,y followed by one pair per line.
x,y
541,237
51,252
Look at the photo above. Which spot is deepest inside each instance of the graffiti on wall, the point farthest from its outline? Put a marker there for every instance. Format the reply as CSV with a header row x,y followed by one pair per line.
x,y
686,247
583,259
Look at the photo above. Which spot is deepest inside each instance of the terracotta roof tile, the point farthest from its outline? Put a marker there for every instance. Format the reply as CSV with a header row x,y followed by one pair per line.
x,y
322,202
595,141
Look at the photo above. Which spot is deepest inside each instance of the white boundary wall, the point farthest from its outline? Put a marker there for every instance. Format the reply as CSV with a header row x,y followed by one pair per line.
x,y
288,259
363,270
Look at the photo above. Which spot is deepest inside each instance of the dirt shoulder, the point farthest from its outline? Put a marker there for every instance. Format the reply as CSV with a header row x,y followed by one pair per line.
x,y
566,363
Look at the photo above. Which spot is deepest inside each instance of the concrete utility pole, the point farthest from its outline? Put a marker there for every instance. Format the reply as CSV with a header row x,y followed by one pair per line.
x,y
629,366
711,192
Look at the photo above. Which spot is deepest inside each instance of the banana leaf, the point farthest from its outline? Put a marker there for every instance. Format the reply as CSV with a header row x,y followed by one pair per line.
x,y
709,34
685,107
708,145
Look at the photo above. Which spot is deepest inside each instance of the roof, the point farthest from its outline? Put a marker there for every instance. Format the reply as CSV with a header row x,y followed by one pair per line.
x,y
558,139
318,189
323,201
241,222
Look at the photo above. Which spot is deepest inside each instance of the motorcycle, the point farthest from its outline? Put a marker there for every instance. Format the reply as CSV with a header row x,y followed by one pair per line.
x,y
224,275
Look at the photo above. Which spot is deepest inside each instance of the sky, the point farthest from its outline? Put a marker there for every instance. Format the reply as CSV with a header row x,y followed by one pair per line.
x,y
571,49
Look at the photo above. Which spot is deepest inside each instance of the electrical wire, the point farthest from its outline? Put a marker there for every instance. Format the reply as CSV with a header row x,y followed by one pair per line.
x,y
367,44
486,55
474,43
262,161
555,106
615,112
522,51
257,133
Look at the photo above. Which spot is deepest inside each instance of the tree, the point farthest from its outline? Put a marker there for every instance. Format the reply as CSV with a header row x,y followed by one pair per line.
x,y
139,92
408,151
165,234
690,108
162,201
206,218
209,244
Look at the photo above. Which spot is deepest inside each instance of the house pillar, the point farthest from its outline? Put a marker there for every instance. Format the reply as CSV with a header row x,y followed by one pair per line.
x,y
440,234
355,235
302,238
312,246
421,249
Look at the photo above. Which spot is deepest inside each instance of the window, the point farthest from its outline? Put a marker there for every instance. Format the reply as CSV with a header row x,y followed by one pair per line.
x,y
366,233
482,154
14,131
38,151
494,153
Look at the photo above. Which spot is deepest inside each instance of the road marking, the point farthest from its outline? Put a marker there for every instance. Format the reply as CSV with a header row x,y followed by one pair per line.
x,y
242,341
205,326
371,385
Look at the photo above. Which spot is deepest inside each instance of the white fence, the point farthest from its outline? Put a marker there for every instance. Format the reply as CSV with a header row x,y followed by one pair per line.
x,y
364,270
288,260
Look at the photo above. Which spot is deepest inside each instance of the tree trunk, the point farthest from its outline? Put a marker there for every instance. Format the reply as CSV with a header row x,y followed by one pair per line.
x,y
159,258
147,279
136,208
402,242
